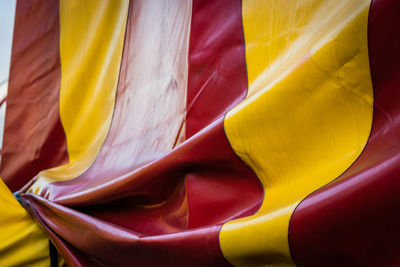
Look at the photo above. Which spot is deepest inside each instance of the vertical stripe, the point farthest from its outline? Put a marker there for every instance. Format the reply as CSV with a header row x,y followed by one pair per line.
x,y
33,135
217,82
307,116
217,67
90,49
355,220
151,98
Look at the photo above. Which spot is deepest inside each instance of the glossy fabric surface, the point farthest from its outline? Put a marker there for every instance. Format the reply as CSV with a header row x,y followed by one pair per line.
x,y
306,118
354,220
90,54
197,133
162,195
22,241
139,133
34,139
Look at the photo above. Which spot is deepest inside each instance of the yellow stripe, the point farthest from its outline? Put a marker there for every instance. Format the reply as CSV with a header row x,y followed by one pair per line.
x,y
307,115
22,241
91,42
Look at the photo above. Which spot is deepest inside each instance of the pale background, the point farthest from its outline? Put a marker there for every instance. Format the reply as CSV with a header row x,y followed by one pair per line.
x,y
7,12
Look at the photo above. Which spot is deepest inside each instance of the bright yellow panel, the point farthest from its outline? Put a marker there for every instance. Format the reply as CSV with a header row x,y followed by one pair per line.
x,y
306,118
22,241
91,41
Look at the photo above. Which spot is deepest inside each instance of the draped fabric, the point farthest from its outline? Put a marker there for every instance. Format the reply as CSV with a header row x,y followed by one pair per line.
x,y
203,133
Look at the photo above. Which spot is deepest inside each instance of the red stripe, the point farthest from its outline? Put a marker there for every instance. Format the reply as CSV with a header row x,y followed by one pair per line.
x,y
217,64
34,138
355,220
217,82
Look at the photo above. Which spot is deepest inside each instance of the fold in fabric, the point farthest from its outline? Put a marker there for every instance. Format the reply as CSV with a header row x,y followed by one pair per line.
x,y
204,132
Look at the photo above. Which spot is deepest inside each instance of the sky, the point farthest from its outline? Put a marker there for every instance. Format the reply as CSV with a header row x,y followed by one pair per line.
x,y
7,13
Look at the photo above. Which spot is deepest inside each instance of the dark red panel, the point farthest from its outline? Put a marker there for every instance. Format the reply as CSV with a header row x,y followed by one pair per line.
x,y
355,220
217,82
217,64
115,246
34,138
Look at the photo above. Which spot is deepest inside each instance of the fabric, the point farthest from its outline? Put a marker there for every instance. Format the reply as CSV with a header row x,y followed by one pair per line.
x,y
22,241
204,132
